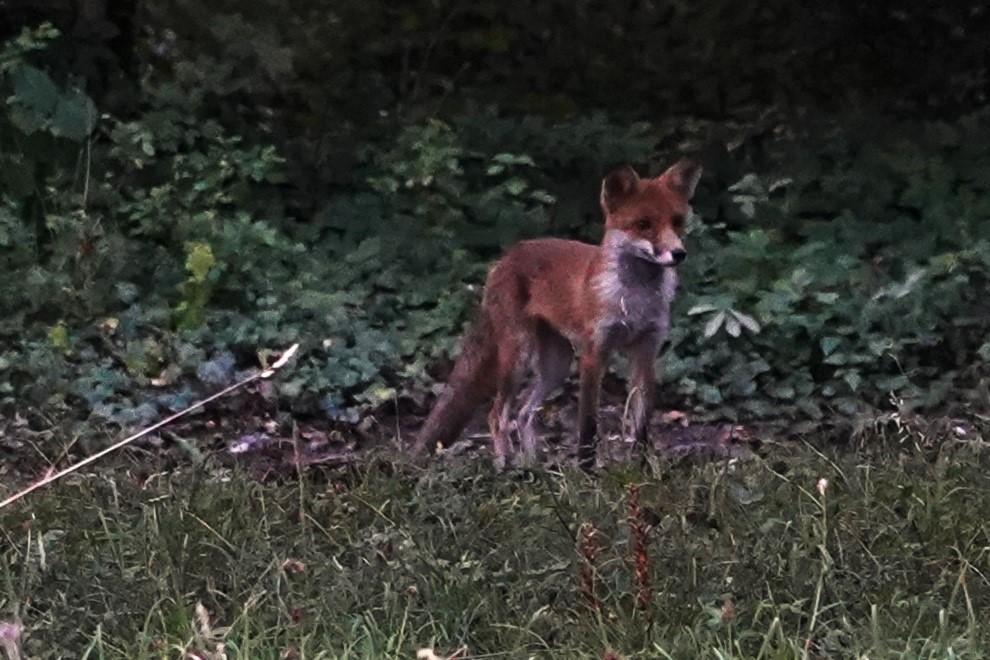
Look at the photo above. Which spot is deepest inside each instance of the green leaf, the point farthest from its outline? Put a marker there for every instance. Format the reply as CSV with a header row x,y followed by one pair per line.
x,y
701,309
74,117
747,322
810,408
59,337
515,186
34,89
748,184
542,196
827,298
710,395
379,395
732,326
836,359
783,392
829,344
891,383
199,261
760,407
714,324
369,249
880,346
512,159
26,120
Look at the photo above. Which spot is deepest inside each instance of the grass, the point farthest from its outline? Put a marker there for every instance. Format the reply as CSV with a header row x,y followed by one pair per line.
x,y
747,559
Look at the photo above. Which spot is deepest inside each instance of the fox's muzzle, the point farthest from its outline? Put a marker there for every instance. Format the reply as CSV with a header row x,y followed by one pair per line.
x,y
669,257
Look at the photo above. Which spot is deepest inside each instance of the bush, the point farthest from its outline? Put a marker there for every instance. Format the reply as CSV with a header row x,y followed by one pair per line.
x,y
837,263
865,262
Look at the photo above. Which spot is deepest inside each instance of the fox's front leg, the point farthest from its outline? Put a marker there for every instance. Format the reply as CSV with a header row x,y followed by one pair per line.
x,y
642,385
592,365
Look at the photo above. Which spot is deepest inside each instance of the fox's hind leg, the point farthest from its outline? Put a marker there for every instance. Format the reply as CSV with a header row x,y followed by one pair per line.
x,y
551,365
513,357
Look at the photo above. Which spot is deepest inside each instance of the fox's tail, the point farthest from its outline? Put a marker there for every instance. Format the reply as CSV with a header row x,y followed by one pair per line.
x,y
471,382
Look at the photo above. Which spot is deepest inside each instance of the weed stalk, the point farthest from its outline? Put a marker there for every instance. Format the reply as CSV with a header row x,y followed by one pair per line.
x,y
589,549
641,555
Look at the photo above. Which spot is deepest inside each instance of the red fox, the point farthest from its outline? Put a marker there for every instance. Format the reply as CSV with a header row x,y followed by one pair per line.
x,y
546,299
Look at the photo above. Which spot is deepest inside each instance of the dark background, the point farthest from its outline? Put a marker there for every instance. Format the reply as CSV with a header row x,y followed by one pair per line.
x,y
185,183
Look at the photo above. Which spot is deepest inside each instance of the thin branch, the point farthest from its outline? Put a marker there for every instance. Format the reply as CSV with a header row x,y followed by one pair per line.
x,y
267,373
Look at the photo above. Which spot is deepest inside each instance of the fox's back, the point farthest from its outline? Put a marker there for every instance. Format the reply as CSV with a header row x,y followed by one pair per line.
x,y
545,279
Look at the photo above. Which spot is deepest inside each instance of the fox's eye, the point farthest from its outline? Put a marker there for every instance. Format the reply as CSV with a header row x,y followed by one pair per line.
x,y
678,221
643,224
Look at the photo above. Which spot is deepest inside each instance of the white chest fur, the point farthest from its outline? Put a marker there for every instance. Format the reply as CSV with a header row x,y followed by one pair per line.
x,y
636,295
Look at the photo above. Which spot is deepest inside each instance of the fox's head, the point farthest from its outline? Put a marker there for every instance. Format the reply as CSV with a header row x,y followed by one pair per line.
x,y
648,215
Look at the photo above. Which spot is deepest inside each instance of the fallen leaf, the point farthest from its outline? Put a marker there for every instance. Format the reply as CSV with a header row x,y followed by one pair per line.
x,y
293,566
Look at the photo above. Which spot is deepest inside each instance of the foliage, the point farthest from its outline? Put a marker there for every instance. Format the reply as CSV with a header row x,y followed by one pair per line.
x,y
865,263
234,208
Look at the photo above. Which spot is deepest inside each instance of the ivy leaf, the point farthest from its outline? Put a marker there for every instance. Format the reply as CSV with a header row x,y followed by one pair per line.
x,y
218,371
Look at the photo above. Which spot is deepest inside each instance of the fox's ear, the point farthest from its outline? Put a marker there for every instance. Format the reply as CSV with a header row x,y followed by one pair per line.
x,y
618,185
683,176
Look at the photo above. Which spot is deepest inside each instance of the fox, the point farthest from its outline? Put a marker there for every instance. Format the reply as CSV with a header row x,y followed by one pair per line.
x,y
549,299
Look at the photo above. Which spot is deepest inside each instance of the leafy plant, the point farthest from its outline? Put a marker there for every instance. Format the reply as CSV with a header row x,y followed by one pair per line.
x,y
836,262
198,287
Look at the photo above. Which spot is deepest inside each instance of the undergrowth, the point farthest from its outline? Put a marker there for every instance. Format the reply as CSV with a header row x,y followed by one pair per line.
x,y
833,262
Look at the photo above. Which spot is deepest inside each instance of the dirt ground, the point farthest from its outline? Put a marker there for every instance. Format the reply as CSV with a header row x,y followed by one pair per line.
x,y
247,431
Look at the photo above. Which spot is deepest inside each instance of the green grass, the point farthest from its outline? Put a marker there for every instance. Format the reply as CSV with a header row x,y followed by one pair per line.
x,y
892,562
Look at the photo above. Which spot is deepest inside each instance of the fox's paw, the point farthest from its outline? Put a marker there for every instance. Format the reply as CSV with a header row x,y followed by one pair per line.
x,y
587,461
528,460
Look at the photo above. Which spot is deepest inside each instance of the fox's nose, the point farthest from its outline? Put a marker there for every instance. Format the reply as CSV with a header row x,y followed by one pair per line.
x,y
678,255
